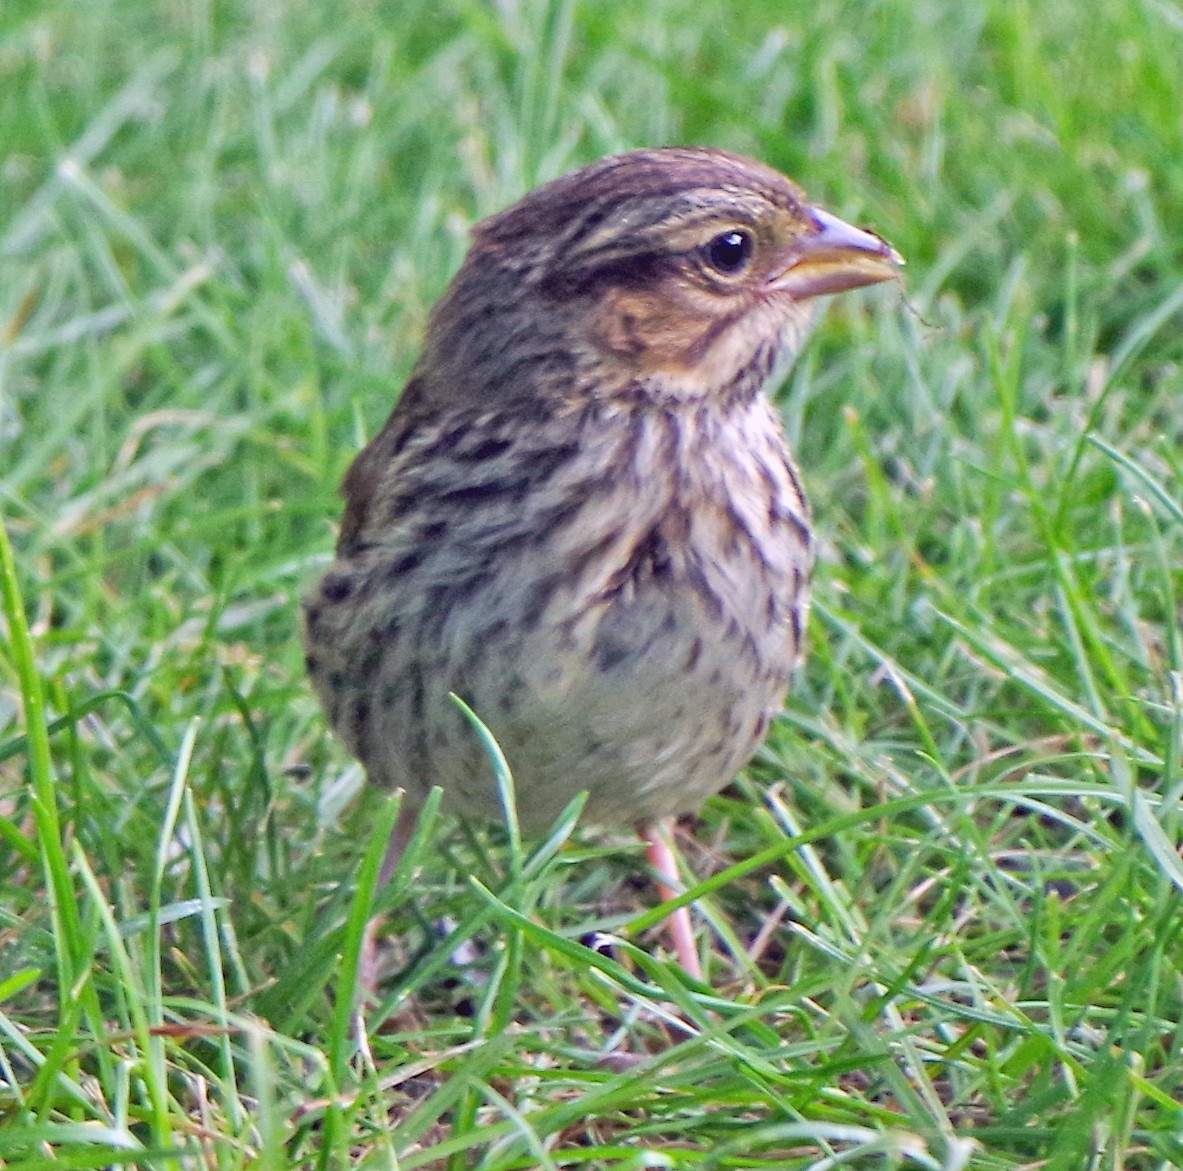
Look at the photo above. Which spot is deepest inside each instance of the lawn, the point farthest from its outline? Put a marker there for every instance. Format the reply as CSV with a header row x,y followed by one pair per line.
x,y
939,915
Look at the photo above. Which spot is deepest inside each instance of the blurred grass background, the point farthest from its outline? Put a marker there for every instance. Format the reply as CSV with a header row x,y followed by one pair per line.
x,y
942,908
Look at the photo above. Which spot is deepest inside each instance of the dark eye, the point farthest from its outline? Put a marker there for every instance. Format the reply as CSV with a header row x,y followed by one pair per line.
x,y
729,252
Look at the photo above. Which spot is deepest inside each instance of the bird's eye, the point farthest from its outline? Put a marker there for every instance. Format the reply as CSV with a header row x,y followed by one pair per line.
x,y
729,252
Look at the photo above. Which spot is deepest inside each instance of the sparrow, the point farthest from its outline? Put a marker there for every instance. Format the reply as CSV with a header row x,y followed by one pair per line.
x,y
582,516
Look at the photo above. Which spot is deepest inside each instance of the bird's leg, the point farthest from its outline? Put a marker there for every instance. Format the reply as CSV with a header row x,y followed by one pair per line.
x,y
659,837
464,955
367,970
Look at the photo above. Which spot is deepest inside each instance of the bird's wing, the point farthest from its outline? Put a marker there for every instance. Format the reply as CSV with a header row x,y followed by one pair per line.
x,y
372,466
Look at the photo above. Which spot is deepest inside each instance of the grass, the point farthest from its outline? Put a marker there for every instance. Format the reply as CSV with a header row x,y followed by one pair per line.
x,y
940,910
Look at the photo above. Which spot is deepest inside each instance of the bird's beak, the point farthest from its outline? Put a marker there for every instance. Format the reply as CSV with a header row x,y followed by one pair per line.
x,y
831,256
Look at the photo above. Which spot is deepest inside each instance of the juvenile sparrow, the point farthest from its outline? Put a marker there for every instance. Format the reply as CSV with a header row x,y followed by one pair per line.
x,y
582,515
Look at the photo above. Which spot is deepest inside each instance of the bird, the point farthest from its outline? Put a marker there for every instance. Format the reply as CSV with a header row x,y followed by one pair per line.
x,y
582,516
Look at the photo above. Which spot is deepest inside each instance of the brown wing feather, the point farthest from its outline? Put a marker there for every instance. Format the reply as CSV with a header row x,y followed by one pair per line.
x,y
364,479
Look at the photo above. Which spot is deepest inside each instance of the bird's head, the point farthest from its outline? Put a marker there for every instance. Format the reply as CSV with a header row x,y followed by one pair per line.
x,y
668,274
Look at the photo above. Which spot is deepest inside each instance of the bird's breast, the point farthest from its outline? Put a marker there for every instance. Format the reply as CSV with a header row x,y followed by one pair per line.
x,y
619,596
649,667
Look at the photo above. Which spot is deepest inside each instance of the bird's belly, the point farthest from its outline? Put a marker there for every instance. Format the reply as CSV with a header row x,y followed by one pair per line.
x,y
649,703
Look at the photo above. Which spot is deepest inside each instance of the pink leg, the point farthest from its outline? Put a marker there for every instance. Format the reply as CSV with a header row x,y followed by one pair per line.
x,y
367,973
659,836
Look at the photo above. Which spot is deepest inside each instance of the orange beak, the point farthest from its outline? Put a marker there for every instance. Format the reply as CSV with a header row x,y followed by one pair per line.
x,y
832,256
